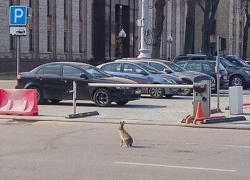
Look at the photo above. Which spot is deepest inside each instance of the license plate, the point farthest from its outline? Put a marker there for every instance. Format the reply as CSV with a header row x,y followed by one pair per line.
x,y
138,92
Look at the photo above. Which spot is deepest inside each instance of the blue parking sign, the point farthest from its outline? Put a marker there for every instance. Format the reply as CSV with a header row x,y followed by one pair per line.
x,y
18,15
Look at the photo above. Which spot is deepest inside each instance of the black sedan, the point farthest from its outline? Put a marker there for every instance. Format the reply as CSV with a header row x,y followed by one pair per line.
x,y
53,81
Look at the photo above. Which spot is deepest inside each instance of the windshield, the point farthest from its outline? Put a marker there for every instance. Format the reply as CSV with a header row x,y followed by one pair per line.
x,y
226,62
95,72
221,66
149,69
175,67
243,62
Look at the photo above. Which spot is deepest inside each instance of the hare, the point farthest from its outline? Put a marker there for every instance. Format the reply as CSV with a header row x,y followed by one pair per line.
x,y
126,139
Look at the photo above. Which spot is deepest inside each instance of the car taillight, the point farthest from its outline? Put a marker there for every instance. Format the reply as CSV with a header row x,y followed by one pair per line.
x,y
19,77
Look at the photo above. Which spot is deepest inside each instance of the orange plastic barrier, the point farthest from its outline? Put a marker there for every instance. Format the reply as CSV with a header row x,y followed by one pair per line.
x,y
21,102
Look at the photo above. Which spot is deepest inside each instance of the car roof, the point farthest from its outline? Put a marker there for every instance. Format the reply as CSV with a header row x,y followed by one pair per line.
x,y
69,63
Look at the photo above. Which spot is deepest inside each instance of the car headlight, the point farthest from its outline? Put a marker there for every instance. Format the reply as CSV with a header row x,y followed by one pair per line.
x,y
170,81
122,88
247,72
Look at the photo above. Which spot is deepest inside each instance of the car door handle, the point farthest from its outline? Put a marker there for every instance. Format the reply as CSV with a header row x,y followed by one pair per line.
x,y
64,80
39,78
126,76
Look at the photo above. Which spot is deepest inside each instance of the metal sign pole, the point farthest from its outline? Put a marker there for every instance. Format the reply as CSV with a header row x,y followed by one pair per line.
x,y
17,53
74,97
218,73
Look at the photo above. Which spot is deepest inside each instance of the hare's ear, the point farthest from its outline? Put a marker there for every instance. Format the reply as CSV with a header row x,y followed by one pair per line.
x,y
123,122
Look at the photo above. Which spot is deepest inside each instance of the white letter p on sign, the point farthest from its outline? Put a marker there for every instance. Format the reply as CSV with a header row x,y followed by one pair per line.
x,y
18,14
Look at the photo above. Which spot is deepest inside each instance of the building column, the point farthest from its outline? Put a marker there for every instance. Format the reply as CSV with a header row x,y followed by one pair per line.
x,y
75,29
24,41
4,31
60,29
178,28
42,27
108,54
89,29
169,25
165,33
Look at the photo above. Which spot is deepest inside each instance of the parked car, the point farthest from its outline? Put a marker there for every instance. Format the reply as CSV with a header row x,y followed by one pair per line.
x,y
237,61
143,74
54,80
169,67
208,68
238,76
185,57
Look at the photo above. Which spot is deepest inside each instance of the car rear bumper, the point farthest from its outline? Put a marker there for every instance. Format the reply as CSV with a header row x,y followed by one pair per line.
x,y
126,95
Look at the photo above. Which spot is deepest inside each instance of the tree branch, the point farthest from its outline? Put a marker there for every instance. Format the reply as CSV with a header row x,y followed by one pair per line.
x,y
199,3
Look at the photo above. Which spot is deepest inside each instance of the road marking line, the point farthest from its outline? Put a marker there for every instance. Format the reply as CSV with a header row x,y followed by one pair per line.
x,y
220,145
179,167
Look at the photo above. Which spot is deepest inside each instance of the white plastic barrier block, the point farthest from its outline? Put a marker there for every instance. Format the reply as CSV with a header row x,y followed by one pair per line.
x,y
236,100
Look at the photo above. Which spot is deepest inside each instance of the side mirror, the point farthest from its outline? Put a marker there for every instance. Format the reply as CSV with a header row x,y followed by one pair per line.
x,y
84,76
167,71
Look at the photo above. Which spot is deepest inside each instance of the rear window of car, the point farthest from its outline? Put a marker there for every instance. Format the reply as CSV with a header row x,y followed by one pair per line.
x,y
52,70
115,67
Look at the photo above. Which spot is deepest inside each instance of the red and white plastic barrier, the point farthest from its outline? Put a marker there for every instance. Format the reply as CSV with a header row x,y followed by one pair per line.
x,y
21,102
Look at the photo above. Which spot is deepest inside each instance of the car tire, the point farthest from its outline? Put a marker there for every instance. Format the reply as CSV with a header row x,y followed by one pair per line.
x,y
102,98
121,103
55,101
186,92
40,98
157,93
237,81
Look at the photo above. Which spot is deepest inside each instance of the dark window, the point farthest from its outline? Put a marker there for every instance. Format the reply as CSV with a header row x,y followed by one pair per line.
x,y
198,58
65,10
30,3
213,32
116,67
80,10
80,42
52,69
12,42
235,62
129,68
71,71
48,8
11,2
49,41
31,39
194,66
65,42
207,68
157,66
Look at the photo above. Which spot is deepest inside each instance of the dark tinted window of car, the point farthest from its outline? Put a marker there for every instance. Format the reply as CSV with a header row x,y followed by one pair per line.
x,y
71,71
194,66
197,58
208,68
182,64
157,66
52,69
115,67
235,62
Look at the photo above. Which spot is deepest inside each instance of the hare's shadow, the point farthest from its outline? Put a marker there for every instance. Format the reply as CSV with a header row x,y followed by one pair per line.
x,y
141,147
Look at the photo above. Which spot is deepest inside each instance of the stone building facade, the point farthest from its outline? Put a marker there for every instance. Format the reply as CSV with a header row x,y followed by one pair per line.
x,y
69,30
230,21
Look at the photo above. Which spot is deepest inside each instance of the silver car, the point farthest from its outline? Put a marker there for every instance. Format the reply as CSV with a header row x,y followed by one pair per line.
x,y
143,74
169,67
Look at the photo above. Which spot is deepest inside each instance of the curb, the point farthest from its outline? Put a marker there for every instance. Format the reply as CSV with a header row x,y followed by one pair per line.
x,y
131,122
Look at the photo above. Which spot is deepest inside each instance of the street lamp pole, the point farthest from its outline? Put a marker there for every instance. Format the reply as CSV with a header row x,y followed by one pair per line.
x,y
170,40
144,51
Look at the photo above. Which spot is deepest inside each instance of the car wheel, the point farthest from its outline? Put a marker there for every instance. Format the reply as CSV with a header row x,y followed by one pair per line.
x,y
237,81
121,103
156,93
102,98
186,92
40,99
55,101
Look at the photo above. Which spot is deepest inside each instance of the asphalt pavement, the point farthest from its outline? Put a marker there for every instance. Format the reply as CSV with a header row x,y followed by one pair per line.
x,y
145,111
